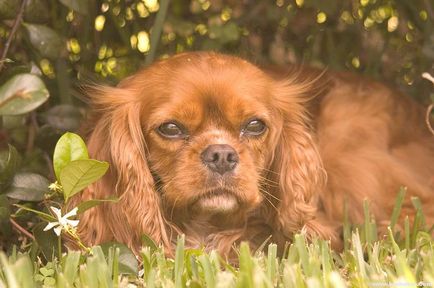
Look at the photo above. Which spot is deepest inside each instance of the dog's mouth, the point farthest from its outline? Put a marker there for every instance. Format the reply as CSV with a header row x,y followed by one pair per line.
x,y
217,201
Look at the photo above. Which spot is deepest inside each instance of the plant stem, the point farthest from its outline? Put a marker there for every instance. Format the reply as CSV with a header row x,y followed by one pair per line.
x,y
59,247
13,31
21,229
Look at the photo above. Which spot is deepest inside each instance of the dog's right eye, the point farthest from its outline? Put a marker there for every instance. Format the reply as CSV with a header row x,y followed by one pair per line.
x,y
171,130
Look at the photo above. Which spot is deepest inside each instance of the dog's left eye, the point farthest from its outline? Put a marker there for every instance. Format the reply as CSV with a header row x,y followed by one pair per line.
x,y
171,130
254,128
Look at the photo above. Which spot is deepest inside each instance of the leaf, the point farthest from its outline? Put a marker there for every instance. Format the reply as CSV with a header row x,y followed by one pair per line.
x,y
80,6
149,242
71,266
5,213
86,205
70,147
28,187
46,240
42,215
45,40
8,165
78,174
22,94
128,263
63,117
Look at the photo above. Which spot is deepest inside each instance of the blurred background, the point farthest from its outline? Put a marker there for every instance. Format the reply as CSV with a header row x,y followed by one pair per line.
x,y
50,47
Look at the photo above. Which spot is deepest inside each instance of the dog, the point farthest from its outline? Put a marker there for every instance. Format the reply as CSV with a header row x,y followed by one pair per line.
x,y
213,147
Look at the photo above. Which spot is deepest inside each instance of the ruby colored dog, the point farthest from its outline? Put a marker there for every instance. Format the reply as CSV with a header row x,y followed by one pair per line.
x,y
211,146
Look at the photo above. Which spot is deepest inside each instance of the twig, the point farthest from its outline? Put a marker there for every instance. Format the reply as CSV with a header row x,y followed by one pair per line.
x,y
428,118
21,229
13,31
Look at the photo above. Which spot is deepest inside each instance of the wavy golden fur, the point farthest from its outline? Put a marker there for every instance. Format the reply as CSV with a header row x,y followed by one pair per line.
x,y
328,138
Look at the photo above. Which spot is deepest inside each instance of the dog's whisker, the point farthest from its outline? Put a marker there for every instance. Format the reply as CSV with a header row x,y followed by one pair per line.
x,y
268,182
269,194
270,171
268,200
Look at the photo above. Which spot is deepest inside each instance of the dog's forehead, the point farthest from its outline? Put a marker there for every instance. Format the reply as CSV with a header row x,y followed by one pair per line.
x,y
218,98
196,92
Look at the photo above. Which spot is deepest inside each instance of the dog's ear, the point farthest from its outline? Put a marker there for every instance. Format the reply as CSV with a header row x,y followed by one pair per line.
x,y
296,162
118,139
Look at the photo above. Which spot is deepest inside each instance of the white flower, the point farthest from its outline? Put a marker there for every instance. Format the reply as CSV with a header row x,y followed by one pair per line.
x,y
62,221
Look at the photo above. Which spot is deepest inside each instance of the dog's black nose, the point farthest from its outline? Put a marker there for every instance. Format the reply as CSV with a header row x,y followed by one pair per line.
x,y
220,158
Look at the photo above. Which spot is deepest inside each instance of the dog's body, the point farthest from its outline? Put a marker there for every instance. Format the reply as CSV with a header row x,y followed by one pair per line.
x,y
213,147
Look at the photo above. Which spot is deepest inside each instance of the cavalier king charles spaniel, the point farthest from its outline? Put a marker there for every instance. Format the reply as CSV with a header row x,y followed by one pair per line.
x,y
213,147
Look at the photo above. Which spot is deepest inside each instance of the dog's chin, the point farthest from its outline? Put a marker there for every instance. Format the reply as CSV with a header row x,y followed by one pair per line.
x,y
218,201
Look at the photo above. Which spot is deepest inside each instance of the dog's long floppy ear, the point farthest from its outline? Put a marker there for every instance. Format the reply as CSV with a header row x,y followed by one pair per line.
x,y
117,138
296,163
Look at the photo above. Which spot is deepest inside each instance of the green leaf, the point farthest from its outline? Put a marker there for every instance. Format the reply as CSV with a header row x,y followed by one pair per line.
x,y
46,272
45,40
8,165
80,6
179,261
43,215
47,241
148,242
83,206
70,147
22,94
5,213
28,187
128,263
71,266
78,174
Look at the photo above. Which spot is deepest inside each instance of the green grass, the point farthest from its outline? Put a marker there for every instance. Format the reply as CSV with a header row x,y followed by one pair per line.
x,y
400,259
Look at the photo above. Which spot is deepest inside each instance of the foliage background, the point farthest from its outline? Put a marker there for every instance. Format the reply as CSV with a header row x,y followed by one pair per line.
x,y
70,42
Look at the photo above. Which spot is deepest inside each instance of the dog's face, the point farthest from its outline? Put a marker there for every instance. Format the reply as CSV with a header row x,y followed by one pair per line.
x,y
201,138
209,136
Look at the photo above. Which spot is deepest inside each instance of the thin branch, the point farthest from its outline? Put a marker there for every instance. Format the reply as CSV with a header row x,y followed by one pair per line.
x,y
13,31
21,229
428,118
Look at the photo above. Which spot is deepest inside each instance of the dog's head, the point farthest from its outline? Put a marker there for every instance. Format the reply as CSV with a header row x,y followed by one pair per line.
x,y
201,136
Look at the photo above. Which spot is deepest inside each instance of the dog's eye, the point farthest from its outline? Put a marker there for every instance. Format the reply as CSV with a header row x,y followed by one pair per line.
x,y
171,130
254,128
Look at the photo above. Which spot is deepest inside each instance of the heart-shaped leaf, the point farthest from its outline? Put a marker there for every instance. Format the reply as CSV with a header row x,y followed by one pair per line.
x,y
22,94
9,159
78,174
70,147
127,261
28,187
45,40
